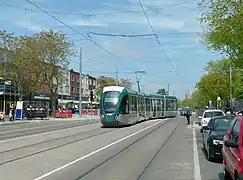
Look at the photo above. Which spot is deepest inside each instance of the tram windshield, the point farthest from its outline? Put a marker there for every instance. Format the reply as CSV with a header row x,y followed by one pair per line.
x,y
110,101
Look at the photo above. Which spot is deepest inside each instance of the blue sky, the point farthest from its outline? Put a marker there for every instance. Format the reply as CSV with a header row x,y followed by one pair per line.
x,y
174,21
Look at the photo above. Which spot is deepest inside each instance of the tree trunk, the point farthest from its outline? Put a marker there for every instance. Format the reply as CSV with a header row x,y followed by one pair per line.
x,y
53,103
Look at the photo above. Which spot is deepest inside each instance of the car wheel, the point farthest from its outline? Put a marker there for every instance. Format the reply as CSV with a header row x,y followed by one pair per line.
x,y
226,174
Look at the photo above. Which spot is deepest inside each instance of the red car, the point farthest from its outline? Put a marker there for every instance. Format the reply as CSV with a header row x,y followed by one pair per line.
x,y
233,150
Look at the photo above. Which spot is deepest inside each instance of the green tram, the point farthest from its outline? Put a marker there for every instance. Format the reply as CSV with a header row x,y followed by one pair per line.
x,y
122,106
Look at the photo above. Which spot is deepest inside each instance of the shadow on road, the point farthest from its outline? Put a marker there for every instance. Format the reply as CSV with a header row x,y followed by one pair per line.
x,y
218,161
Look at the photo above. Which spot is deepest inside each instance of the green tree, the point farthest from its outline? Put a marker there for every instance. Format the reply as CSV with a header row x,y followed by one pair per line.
x,y
125,82
104,81
224,31
216,82
25,63
8,43
162,91
54,51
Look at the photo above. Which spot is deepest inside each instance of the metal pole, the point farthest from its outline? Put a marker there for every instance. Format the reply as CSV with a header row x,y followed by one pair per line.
x,y
168,89
116,75
80,83
62,95
231,84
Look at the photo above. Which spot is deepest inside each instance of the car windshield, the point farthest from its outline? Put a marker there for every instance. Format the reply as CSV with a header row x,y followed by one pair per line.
x,y
213,114
110,101
222,124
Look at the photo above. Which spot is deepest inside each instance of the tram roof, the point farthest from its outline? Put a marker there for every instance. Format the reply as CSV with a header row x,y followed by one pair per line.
x,y
131,91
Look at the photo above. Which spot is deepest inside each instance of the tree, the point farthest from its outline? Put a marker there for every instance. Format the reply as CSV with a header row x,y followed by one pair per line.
x,y
54,50
162,91
224,27
216,82
25,66
104,81
125,82
8,43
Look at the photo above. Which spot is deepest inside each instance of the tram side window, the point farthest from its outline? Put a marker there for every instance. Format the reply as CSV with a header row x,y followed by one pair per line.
x,y
147,101
135,103
125,105
163,104
158,105
168,105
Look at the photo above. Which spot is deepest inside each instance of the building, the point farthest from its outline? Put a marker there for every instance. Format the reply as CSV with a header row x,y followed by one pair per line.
x,y
64,83
8,94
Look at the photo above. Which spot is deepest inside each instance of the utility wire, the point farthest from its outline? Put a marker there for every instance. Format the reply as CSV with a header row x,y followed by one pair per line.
x,y
157,39
123,35
104,14
89,39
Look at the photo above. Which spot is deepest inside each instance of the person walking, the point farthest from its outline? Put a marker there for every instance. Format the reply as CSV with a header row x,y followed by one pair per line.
x,y
188,115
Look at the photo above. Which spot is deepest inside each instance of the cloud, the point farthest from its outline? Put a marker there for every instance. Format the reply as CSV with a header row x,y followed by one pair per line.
x,y
86,22
31,27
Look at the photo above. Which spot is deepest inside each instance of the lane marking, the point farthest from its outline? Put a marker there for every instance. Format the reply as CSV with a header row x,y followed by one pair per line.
x,y
95,152
197,173
45,133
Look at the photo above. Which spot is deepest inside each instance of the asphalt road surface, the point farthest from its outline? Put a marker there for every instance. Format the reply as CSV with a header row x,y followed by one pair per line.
x,y
71,150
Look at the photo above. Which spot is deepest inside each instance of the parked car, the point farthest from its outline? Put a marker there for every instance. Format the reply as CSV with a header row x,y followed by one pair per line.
x,y
233,150
213,135
208,114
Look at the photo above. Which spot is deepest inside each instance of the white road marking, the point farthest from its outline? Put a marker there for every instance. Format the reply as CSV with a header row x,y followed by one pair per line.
x,y
95,152
197,173
45,133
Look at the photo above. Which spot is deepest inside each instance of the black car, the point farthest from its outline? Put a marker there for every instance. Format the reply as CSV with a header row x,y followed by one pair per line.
x,y
213,135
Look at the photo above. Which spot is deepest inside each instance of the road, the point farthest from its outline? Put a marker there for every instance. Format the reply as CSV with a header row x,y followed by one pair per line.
x,y
73,150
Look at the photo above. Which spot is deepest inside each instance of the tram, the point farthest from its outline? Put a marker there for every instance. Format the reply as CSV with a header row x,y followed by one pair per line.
x,y
122,106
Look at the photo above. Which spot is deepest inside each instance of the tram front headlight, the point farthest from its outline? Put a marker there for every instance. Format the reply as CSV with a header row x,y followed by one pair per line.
x,y
102,116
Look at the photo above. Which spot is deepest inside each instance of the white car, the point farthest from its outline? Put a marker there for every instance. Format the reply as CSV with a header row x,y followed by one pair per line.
x,y
208,114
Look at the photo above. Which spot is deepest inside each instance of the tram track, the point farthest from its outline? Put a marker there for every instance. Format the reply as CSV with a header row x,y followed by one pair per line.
x,y
47,145
130,145
39,130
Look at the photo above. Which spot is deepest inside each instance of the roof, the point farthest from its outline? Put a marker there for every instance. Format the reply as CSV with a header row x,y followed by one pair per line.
x,y
213,110
131,91
113,88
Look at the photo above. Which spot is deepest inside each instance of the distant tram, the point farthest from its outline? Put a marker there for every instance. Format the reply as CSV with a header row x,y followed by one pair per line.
x,y
122,106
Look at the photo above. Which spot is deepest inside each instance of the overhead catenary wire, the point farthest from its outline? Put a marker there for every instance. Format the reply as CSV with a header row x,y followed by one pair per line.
x,y
89,39
157,39
122,35
106,13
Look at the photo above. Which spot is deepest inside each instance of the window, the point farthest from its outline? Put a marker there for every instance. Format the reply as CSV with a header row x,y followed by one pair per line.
x,y
213,113
77,77
210,123
124,109
235,131
72,89
110,101
77,90
72,77
158,105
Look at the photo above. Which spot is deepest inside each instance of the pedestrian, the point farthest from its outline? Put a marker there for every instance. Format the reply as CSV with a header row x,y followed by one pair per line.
x,y
188,115
10,115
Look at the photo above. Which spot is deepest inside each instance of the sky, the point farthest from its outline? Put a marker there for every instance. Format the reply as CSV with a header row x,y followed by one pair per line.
x,y
179,61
